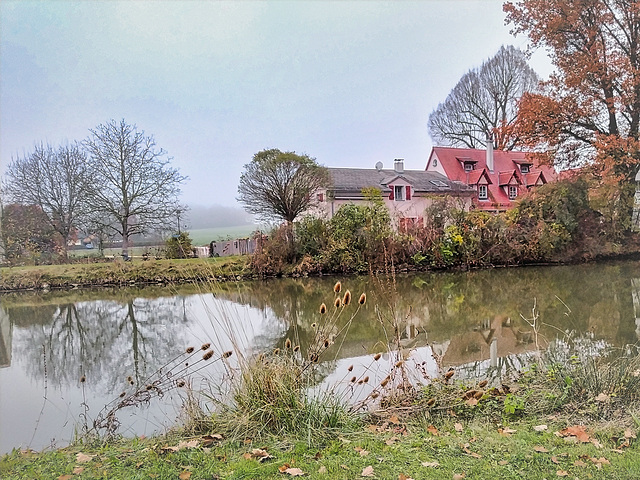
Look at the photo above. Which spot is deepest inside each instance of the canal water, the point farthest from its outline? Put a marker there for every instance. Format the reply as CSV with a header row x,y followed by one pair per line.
x,y
64,356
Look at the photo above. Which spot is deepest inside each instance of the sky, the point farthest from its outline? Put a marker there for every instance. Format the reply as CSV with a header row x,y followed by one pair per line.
x,y
349,83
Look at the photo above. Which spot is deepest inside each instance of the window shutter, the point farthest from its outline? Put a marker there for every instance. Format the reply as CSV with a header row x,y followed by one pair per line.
x,y
391,192
408,192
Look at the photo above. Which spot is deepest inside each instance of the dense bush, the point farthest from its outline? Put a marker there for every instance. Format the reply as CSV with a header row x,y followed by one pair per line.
x,y
179,246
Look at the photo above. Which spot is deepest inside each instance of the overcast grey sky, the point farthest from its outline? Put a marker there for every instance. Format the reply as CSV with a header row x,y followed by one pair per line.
x,y
347,82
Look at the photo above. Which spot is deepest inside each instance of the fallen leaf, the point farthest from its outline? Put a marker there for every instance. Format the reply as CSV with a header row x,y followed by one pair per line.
x,y
430,464
394,419
78,470
628,433
577,431
367,472
282,468
503,462
472,402
465,449
322,470
209,440
603,397
362,451
458,476
562,473
540,428
259,454
458,427
65,477
506,431
540,449
402,476
185,475
82,458
433,430
554,459
600,461
372,428
579,463
294,472
392,440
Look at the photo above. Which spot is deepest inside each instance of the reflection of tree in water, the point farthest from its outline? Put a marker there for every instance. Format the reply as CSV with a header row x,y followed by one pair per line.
x,y
104,340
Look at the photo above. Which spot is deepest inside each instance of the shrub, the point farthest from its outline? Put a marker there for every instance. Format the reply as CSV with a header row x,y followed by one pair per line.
x,y
178,246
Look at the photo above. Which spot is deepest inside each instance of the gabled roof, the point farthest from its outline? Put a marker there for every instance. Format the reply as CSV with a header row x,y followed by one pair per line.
x,y
352,180
476,175
505,178
533,177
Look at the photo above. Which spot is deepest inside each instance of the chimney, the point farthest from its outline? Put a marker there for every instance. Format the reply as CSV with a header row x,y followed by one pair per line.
x,y
490,152
398,165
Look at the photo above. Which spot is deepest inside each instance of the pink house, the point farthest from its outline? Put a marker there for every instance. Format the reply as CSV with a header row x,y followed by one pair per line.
x,y
498,177
406,193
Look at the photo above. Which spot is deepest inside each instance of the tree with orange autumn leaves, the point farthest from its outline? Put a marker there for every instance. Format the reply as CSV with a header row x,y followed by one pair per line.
x,y
589,110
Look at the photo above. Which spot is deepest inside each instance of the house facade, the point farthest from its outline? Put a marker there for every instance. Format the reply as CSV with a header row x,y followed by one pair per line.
x,y
497,177
406,193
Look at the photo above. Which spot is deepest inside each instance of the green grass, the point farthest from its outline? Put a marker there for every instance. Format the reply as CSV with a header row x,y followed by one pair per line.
x,y
478,450
118,272
203,236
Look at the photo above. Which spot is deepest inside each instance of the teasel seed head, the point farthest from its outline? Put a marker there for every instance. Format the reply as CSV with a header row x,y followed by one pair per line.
x,y
360,382
276,351
83,379
129,379
186,364
207,355
449,374
189,349
353,379
375,395
350,368
483,384
365,379
205,346
346,300
399,363
123,394
131,382
314,325
326,343
323,309
431,402
287,344
363,299
296,348
149,387
314,358
377,356
337,287
181,384
384,382
227,354
337,303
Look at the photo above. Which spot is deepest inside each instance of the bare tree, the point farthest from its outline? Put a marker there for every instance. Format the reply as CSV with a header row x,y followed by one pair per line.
x,y
54,180
134,189
485,102
280,185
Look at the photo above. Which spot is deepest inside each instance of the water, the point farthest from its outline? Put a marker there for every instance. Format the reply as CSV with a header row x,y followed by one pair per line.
x,y
471,321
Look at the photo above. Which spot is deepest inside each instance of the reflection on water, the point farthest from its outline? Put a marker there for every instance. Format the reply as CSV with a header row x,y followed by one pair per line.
x,y
472,321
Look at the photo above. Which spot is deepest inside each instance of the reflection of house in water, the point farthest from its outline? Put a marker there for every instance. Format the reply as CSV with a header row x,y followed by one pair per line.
x,y
5,339
491,340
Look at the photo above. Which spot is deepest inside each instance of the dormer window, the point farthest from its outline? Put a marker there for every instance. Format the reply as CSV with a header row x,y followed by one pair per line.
x,y
398,192
483,193
513,192
468,166
524,168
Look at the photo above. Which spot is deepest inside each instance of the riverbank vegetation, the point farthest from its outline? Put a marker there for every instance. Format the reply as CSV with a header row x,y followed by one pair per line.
x,y
555,223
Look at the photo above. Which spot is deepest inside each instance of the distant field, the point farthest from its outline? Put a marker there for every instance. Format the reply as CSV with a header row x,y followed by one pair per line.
x,y
203,236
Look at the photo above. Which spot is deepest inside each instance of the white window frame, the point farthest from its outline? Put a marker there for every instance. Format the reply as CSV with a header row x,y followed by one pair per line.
x,y
468,166
398,193
525,168
483,192
512,190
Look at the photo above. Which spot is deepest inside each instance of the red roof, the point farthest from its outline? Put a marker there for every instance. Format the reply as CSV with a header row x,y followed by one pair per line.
x,y
506,166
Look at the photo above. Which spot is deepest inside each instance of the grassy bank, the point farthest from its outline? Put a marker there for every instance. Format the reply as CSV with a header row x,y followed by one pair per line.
x,y
443,450
117,272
